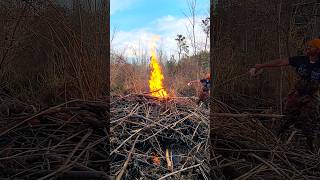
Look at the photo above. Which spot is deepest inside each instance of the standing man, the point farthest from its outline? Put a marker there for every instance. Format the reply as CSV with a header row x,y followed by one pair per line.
x,y
301,105
205,91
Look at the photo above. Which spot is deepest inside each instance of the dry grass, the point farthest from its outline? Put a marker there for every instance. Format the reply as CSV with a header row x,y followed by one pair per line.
x,y
250,150
50,51
250,33
142,126
133,78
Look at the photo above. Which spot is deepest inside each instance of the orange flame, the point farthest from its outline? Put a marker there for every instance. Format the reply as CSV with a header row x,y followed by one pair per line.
x,y
156,77
155,159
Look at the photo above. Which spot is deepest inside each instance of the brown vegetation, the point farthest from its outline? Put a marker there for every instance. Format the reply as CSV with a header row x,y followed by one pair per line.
x,y
133,77
250,32
53,74
142,126
244,146
53,48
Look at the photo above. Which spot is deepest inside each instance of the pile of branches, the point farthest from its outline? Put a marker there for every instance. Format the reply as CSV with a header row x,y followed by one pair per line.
x,y
67,141
158,139
245,146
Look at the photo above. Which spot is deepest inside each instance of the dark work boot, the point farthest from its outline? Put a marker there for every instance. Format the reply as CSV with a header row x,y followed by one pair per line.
x,y
284,127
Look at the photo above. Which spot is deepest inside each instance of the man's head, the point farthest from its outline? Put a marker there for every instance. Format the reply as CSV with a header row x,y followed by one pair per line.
x,y
208,76
313,47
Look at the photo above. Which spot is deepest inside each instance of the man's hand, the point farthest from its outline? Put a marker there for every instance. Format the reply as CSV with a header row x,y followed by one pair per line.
x,y
256,70
258,66
253,72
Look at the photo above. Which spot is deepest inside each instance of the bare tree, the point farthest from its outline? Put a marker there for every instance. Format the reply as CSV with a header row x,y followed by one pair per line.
x,y
192,20
182,45
114,33
206,29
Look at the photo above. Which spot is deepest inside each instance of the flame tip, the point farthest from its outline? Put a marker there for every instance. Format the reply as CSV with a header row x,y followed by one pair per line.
x,y
156,76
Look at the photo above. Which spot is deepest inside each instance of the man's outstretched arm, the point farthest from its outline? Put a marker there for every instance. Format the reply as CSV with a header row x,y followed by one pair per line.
x,y
194,81
273,63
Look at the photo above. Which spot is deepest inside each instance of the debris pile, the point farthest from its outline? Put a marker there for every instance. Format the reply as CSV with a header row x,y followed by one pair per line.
x,y
244,146
66,141
158,139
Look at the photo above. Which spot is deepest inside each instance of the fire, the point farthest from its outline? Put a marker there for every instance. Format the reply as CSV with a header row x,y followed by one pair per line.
x,y
156,77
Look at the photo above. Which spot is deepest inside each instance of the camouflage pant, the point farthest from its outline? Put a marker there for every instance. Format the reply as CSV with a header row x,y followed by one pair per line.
x,y
301,111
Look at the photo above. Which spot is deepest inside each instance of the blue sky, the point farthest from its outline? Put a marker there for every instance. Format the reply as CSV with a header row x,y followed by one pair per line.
x,y
135,21
138,13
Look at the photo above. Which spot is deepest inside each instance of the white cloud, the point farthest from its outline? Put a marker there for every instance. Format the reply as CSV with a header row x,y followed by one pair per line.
x,y
120,5
167,28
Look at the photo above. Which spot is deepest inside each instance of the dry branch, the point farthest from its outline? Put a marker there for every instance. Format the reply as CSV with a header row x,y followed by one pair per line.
x,y
174,124
56,142
247,115
265,156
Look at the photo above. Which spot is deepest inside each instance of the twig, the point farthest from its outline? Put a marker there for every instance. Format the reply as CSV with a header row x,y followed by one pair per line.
x,y
125,141
273,167
173,173
55,108
247,115
125,165
69,157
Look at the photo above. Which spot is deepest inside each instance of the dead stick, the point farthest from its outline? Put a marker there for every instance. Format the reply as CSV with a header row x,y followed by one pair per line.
x,y
173,173
271,165
77,174
253,171
153,91
67,167
137,131
228,164
247,115
57,108
69,157
125,165
85,137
